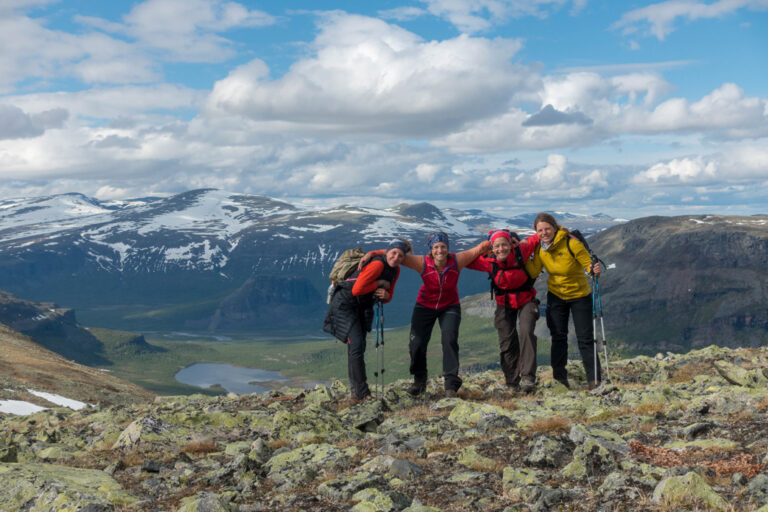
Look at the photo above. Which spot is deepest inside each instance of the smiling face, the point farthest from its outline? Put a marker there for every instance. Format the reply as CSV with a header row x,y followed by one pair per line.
x,y
501,248
395,257
440,252
546,232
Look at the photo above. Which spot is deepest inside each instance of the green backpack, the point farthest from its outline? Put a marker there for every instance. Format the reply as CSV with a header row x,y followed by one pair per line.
x,y
346,264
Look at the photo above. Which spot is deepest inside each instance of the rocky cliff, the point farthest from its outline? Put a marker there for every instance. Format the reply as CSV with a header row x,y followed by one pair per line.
x,y
670,432
686,282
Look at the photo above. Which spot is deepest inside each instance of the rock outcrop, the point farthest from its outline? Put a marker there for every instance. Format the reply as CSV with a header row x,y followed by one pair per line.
x,y
669,432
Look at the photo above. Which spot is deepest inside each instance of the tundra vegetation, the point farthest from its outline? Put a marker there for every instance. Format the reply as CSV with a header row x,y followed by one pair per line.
x,y
670,432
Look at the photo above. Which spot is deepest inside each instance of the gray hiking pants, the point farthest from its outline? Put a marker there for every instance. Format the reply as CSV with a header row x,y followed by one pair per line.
x,y
517,348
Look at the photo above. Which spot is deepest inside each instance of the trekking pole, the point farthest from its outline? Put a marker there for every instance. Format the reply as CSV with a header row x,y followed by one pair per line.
x,y
594,318
381,369
379,373
602,327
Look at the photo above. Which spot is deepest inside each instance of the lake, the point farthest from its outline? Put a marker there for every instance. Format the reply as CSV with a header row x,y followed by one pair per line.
x,y
234,379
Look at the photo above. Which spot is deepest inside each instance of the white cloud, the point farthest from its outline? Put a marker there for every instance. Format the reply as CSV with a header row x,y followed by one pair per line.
x,y
661,17
472,16
684,170
186,29
427,172
368,77
402,13
17,124
552,174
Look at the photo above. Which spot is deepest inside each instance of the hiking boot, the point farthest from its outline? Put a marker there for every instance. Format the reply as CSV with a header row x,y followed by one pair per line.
x,y
451,393
417,388
594,384
564,382
528,385
363,398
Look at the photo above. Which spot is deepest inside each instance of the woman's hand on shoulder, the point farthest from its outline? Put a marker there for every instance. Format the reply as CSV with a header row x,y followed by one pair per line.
x,y
365,259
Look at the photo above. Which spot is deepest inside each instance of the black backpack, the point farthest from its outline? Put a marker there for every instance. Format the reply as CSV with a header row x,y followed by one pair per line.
x,y
577,234
497,290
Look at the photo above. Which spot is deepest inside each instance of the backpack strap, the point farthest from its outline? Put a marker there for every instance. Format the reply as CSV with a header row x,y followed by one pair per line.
x,y
497,290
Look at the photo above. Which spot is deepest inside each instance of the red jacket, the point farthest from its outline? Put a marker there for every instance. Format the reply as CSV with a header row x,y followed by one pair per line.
x,y
439,289
510,276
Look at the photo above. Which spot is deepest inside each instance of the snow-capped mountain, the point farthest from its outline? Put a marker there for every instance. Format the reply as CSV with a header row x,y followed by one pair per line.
x,y
208,258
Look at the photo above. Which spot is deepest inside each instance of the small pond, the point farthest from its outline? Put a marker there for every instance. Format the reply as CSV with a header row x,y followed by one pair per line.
x,y
234,379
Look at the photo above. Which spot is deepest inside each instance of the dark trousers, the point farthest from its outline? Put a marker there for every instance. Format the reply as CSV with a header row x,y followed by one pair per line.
x,y
356,360
517,349
557,321
422,322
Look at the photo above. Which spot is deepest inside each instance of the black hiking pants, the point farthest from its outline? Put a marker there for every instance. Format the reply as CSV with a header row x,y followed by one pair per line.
x,y
356,360
558,311
422,322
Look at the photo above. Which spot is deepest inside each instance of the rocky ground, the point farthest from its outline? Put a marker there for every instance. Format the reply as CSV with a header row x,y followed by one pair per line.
x,y
674,432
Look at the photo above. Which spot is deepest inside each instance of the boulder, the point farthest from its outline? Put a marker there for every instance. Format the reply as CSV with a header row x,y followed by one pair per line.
x,y
50,487
686,491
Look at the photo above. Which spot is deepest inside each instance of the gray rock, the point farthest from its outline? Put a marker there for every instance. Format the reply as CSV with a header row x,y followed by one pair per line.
x,y
405,469
365,416
547,452
343,488
695,430
757,488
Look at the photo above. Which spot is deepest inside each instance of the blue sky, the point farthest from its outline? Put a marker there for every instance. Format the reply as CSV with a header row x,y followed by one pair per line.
x,y
628,108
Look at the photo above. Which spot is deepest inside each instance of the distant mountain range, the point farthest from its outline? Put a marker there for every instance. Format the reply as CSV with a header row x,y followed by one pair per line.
x,y
214,260
686,282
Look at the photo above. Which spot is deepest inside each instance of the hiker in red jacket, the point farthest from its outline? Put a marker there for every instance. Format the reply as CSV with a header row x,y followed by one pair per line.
x,y
512,279
350,314
438,300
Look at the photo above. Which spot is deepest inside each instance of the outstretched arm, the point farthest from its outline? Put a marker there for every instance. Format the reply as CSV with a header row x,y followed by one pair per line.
x,y
411,261
464,258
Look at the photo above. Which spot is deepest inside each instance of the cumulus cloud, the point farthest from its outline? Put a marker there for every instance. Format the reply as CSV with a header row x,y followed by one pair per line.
x,y
185,29
549,116
369,77
17,124
472,16
684,170
660,18
619,105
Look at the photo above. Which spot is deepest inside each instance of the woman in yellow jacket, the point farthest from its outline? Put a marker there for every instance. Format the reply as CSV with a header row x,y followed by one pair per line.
x,y
568,294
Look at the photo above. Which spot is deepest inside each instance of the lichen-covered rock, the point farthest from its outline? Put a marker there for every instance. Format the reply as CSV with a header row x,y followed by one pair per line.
x,y
704,444
365,416
547,452
736,375
517,482
401,468
313,419
372,500
48,487
617,485
472,459
610,440
590,460
303,464
419,507
143,431
757,488
207,502
319,395
688,490
469,414
343,488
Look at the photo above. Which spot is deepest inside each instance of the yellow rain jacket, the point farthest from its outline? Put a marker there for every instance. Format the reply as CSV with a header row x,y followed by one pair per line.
x,y
567,278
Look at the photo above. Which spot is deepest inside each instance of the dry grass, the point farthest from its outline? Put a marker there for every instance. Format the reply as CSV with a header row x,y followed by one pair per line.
x,y
650,408
762,405
551,424
423,412
688,371
509,403
200,446
276,444
721,463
